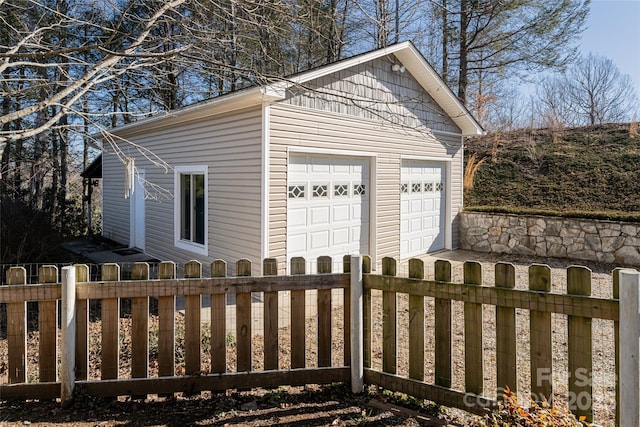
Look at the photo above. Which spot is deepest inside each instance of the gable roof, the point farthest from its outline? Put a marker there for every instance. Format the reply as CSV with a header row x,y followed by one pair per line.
x,y
406,54
414,62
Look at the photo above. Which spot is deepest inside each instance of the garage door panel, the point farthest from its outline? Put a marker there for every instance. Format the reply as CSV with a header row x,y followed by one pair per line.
x,y
404,247
341,236
341,213
415,244
320,168
404,207
356,234
320,239
298,217
416,207
297,164
356,212
427,224
337,206
297,243
342,168
422,207
319,215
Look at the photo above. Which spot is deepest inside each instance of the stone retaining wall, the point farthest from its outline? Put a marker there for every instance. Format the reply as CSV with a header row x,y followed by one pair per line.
x,y
593,240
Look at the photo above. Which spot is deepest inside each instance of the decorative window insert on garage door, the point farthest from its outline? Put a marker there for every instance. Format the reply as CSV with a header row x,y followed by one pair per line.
x,y
327,207
423,207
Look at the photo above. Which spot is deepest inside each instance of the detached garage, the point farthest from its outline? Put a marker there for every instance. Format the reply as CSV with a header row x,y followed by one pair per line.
x,y
360,156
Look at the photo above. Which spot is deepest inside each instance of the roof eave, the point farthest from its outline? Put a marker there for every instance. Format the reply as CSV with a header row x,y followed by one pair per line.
x,y
244,98
405,52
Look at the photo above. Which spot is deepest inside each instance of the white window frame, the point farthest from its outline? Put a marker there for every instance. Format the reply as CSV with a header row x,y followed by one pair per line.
x,y
201,249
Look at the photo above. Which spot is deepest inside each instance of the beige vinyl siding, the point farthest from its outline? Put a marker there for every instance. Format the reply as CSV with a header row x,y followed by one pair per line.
x,y
373,91
293,126
230,146
115,208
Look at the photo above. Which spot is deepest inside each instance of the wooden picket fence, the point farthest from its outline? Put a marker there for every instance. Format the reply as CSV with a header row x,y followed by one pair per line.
x,y
578,305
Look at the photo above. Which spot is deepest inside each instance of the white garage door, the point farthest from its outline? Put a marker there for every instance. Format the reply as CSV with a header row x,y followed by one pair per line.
x,y
423,204
327,207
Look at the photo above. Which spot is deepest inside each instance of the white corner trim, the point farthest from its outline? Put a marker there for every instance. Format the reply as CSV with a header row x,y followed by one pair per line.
x,y
448,210
178,242
373,210
266,136
138,185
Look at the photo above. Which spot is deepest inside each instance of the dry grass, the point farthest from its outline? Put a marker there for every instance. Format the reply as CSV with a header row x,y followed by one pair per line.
x,y
470,170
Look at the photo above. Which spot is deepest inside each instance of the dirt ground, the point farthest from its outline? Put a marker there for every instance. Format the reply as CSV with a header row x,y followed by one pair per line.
x,y
287,406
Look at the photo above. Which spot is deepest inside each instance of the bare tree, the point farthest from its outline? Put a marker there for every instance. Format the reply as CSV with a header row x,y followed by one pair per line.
x,y
593,91
598,92
507,111
121,50
551,103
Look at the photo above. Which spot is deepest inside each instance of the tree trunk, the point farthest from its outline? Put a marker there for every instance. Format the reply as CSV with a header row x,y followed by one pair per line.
x,y
382,24
62,190
445,41
463,77
333,41
52,206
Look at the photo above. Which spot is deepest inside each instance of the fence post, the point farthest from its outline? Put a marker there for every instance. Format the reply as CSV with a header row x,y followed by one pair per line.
x,y
17,329
357,345
297,317
67,379
629,347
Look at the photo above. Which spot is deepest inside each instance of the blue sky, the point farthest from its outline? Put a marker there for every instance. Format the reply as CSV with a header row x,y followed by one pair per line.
x,y
613,30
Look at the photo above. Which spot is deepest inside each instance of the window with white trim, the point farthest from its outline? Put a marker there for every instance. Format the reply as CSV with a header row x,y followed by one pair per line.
x,y
191,208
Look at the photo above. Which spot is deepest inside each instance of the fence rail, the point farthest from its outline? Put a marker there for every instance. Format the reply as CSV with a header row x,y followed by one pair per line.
x,y
380,307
